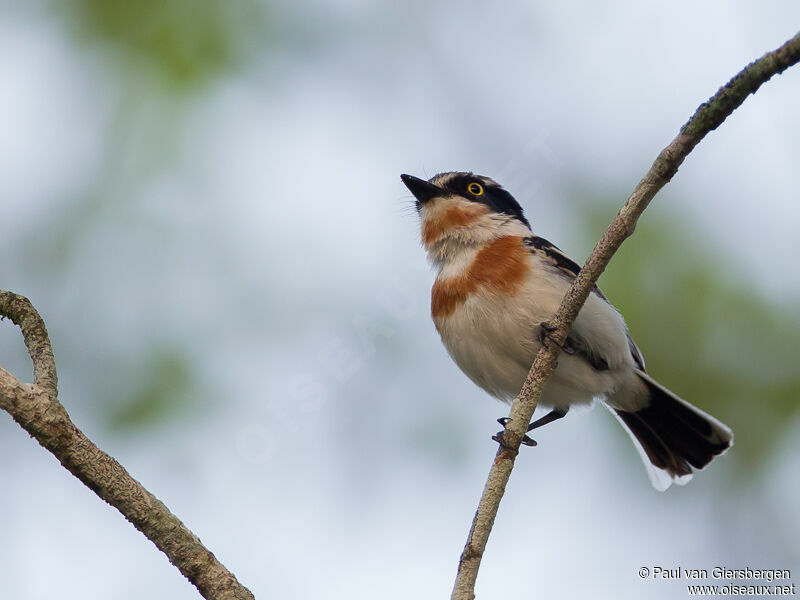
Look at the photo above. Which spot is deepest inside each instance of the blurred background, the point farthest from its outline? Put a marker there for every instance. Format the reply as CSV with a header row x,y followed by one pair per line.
x,y
202,200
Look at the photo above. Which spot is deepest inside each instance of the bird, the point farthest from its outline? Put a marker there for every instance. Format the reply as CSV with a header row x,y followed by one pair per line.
x,y
496,286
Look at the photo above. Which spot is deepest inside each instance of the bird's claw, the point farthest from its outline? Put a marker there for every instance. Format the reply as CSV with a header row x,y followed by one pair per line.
x,y
545,331
500,438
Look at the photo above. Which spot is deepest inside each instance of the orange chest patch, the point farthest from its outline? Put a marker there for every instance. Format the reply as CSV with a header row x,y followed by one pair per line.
x,y
500,266
438,225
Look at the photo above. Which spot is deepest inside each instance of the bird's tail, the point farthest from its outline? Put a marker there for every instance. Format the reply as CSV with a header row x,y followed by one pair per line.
x,y
673,437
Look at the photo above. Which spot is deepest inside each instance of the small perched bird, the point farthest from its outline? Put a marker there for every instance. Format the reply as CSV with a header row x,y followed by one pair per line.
x,y
496,286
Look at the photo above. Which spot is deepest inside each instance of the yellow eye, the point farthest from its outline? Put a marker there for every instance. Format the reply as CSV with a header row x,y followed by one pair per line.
x,y
476,189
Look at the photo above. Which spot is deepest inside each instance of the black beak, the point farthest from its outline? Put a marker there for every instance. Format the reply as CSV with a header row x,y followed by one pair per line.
x,y
422,190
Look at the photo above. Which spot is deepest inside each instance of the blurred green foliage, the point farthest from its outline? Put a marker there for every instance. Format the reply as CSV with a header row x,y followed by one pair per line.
x,y
714,341
162,388
184,43
159,54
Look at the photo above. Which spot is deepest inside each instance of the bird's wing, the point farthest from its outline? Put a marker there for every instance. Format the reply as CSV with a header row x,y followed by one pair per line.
x,y
549,252
636,353
563,263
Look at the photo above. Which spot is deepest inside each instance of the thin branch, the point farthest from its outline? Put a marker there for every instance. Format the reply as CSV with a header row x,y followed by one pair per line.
x,y
707,118
21,312
36,408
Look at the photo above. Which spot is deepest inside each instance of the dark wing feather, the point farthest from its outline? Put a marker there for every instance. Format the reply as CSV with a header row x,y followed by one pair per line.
x,y
568,267
636,353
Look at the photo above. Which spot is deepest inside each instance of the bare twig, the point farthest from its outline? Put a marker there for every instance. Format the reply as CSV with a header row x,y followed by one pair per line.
x,y
37,409
707,118
20,310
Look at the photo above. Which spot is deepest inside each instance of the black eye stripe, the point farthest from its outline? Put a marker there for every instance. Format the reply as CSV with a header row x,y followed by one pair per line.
x,y
460,183
493,196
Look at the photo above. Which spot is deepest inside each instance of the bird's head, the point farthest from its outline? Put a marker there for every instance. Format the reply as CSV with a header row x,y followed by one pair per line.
x,y
465,208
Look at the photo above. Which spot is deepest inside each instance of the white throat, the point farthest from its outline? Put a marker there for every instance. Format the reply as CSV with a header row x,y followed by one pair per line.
x,y
454,252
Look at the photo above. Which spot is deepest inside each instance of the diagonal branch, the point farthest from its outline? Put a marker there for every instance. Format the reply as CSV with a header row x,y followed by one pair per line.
x,y
36,408
707,118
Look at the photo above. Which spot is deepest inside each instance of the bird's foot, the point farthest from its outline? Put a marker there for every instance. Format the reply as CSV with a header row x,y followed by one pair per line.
x,y
545,331
500,438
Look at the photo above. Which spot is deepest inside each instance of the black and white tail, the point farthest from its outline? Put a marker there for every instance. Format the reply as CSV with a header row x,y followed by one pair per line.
x,y
673,437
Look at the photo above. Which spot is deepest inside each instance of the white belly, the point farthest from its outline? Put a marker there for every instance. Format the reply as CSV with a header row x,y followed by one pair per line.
x,y
494,340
